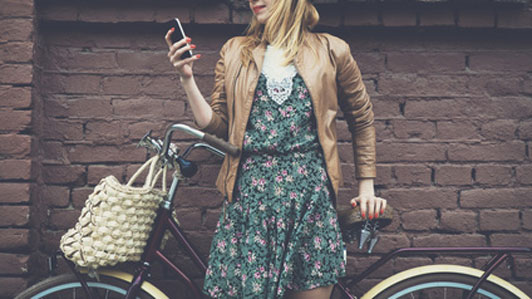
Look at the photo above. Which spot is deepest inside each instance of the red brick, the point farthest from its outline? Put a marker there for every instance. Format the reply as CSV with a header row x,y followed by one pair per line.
x,y
524,174
502,271
63,12
361,17
89,107
15,169
11,286
415,62
501,239
207,175
16,8
14,145
16,52
98,172
452,260
525,130
211,218
145,62
16,29
164,87
16,73
419,220
499,220
410,152
496,198
212,14
71,59
13,264
329,17
59,129
499,130
166,13
508,151
105,153
198,197
358,264
457,130
64,174
189,218
458,221
399,17
370,62
475,17
115,13
449,240
14,121
63,219
14,239
420,198
501,61
80,195
412,174
405,263
15,97
14,215
436,16
384,175
493,174
438,109
522,268
54,152
105,132
241,16
137,130
514,18
14,192
72,83
55,196
413,129
453,175
495,85
527,219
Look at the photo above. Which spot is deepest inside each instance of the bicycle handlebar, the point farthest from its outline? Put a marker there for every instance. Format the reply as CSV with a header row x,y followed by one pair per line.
x,y
208,138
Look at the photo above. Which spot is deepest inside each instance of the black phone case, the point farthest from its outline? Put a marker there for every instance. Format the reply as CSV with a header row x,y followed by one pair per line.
x,y
178,35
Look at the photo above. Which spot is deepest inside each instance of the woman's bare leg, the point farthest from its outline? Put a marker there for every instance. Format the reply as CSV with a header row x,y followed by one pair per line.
x,y
317,293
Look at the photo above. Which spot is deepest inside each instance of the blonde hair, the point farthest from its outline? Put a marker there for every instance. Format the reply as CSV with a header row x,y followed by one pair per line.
x,y
289,20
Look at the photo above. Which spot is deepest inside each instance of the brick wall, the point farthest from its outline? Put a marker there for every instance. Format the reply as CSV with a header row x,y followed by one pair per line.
x,y
451,87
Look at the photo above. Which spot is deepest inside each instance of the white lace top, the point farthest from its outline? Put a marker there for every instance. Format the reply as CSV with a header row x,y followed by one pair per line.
x,y
278,78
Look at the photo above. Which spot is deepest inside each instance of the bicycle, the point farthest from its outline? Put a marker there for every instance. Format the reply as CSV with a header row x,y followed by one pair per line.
x,y
431,281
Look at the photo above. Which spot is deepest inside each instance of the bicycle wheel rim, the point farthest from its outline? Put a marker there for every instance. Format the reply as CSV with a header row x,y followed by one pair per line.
x,y
443,285
67,286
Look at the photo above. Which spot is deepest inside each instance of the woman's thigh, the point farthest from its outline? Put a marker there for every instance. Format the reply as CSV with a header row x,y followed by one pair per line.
x,y
317,293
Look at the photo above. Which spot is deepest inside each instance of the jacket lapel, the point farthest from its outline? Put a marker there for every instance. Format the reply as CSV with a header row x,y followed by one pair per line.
x,y
258,56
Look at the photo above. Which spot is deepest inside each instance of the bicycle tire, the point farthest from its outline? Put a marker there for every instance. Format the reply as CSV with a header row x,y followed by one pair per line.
x,y
445,285
60,286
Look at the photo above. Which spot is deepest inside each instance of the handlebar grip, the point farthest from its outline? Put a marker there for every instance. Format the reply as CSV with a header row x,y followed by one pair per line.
x,y
221,144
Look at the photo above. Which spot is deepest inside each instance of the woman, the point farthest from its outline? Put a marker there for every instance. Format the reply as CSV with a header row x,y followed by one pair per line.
x,y
277,91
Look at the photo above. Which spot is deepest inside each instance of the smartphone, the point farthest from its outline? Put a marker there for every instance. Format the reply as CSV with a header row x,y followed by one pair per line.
x,y
178,35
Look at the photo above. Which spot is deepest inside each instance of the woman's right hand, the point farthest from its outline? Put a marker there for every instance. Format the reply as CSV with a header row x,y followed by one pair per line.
x,y
183,66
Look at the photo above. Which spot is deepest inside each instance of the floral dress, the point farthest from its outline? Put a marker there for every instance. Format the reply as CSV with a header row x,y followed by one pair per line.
x,y
280,231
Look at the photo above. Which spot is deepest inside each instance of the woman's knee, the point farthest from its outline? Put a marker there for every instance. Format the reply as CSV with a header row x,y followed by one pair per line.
x,y
316,293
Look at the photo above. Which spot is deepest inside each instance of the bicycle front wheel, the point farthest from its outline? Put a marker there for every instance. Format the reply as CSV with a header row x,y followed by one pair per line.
x,y
68,286
443,283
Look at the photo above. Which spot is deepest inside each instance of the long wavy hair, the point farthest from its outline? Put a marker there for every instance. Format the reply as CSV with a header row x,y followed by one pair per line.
x,y
289,20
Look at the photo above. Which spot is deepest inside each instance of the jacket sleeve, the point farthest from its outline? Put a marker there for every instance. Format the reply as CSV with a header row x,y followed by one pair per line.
x,y
356,106
218,123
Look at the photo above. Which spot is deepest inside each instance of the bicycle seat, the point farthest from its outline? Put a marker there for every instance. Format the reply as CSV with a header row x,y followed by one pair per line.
x,y
353,226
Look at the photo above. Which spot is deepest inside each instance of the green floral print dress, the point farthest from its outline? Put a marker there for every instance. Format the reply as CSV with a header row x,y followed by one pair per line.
x,y
280,231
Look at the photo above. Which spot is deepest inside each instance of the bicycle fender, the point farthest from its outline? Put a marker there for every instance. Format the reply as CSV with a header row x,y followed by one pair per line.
x,y
430,269
146,286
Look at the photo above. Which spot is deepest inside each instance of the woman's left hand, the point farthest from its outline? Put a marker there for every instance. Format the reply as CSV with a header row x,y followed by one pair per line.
x,y
370,205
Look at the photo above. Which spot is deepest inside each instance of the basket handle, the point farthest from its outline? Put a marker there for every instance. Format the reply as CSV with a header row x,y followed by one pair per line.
x,y
152,162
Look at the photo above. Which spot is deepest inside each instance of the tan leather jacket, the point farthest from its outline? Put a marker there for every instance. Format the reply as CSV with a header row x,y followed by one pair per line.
x,y
333,79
